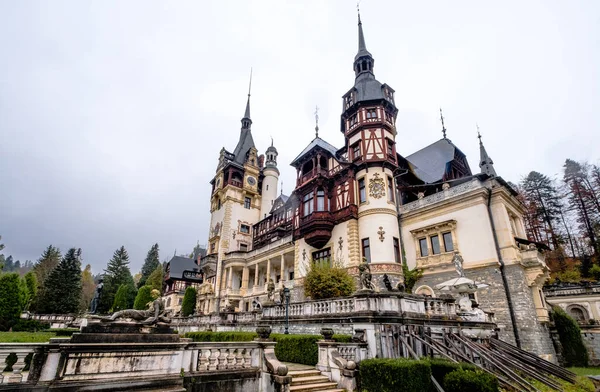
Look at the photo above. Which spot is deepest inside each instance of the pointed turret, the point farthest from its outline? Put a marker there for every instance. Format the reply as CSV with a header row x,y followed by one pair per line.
x,y
363,61
485,162
246,141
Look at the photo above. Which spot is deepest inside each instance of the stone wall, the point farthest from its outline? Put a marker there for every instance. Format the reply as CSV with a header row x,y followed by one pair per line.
x,y
535,337
591,339
238,380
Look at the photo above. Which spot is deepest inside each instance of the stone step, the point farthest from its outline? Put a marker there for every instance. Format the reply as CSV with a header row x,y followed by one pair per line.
x,y
304,373
309,380
324,386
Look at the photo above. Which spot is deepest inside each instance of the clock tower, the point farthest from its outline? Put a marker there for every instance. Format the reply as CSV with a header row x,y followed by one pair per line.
x,y
235,202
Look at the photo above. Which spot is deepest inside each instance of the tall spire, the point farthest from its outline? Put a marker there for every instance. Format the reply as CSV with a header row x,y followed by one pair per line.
x,y
485,162
246,121
363,61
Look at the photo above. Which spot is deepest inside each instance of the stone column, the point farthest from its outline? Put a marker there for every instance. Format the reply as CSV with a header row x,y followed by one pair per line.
x,y
245,277
268,274
255,276
282,270
230,278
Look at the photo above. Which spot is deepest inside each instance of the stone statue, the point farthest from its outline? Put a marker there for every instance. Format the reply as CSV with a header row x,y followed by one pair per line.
x,y
153,315
271,290
365,276
96,299
458,264
282,296
387,283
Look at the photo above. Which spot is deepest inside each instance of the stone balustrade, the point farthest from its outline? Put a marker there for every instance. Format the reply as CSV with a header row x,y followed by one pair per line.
x,y
440,196
21,350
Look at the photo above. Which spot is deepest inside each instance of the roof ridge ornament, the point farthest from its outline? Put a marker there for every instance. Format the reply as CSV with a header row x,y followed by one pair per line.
x,y
316,121
443,126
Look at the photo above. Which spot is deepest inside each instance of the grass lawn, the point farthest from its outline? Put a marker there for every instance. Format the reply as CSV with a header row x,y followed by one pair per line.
x,y
588,371
26,337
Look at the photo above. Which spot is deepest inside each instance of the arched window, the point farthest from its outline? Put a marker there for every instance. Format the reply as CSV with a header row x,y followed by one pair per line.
x,y
320,200
425,290
578,312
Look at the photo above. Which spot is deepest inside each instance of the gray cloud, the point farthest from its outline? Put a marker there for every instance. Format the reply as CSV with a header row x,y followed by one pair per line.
x,y
112,113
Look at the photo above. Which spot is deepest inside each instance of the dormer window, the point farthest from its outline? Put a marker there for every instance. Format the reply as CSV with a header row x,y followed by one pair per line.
x,y
353,120
348,100
371,113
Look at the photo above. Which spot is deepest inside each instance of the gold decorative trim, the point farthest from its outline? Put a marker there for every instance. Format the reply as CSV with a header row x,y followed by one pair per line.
x,y
377,211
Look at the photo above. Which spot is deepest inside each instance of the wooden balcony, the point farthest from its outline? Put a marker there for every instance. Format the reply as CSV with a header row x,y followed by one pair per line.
x,y
316,228
314,173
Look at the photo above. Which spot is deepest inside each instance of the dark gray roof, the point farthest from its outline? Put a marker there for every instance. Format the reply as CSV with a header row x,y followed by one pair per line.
x,y
317,142
244,145
277,203
429,163
178,264
367,88
362,47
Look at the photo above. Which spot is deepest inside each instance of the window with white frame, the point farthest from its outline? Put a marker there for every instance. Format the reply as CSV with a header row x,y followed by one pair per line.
x,y
435,243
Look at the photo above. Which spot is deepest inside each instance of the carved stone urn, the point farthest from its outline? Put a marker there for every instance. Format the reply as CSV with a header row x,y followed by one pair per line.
x,y
263,331
327,333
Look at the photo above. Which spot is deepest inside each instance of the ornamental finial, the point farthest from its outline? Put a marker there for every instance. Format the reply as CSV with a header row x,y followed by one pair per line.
x,y
317,121
443,126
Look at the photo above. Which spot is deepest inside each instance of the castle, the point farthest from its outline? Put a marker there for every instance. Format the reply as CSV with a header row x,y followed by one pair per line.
x,y
366,201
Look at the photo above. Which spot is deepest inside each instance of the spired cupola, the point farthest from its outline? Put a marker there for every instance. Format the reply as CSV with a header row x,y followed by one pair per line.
x,y
369,113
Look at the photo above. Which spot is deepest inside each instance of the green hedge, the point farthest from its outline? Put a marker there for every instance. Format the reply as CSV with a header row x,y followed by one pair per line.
x,y
441,367
573,350
289,348
63,331
29,326
221,336
394,375
470,381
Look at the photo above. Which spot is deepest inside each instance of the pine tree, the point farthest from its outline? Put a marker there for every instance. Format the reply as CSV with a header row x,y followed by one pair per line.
x,y
189,302
63,285
1,256
150,264
116,274
88,288
45,264
581,202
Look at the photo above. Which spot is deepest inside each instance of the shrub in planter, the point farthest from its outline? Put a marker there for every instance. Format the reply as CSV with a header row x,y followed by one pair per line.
x,y
394,375
470,381
326,281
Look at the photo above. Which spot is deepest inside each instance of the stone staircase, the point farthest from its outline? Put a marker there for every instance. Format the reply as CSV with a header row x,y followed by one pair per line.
x,y
311,381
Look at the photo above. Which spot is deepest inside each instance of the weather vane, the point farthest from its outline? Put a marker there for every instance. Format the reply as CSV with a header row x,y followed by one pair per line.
x,y
443,126
317,121
478,134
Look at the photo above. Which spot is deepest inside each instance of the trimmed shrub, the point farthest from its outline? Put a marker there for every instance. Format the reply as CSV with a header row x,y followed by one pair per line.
x,y
441,367
10,300
394,375
29,326
470,381
207,336
573,350
143,297
325,281
297,348
189,302
124,297
342,338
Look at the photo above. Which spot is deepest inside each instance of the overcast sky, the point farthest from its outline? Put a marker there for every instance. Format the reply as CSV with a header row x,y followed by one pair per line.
x,y
112,113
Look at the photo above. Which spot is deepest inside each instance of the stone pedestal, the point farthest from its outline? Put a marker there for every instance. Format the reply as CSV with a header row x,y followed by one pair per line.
x,y
123,332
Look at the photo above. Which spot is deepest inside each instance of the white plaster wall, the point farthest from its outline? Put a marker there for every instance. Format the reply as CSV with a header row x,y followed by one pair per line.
x,y
473,233
240,214
384,215
270,181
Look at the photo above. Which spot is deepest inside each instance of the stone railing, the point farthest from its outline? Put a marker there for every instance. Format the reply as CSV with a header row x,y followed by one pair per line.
x,y
440,307
112,365
440,196
21,350
338,361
